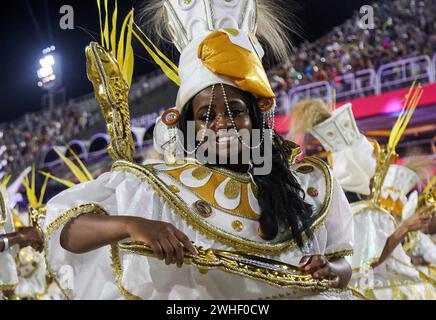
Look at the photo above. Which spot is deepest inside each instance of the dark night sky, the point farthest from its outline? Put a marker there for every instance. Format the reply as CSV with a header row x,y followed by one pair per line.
x,y
22,42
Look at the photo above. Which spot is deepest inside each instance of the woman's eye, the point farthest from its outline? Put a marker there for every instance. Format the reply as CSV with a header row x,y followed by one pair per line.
x,y
203,118
237,112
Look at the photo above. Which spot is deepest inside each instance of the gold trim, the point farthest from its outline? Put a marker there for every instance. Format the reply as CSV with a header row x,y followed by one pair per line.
x,y
425,277
8,287
412,241
422,275
213,232
3,213
370,205
116,265
367,265
268,271
71,214
339,254
62,220
329,185
240,177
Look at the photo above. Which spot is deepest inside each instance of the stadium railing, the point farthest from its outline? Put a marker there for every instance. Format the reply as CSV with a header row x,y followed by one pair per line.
x,y
403,72
321,89
391,76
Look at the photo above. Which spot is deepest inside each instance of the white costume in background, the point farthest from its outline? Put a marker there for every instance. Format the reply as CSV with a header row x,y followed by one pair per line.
x,y
32,271
354,166
8,268
399,182
127,191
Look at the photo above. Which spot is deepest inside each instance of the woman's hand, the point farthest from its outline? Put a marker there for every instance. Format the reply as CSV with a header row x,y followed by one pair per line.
x,y
418,260
30,236
420,220
320,268
166,241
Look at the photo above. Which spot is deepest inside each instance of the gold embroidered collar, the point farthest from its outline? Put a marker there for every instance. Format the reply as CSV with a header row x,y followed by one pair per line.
x,y
225,190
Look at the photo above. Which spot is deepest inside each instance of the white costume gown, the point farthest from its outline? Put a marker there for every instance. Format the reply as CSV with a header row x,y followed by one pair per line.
x,y
8,268
140,191
396,278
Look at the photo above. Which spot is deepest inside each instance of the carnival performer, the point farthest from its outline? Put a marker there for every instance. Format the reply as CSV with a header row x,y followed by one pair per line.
x,y
381,267
399,198
33,280
280,234
11,239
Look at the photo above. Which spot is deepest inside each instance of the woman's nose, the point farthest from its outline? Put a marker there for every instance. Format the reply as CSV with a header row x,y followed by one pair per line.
x,y
222,121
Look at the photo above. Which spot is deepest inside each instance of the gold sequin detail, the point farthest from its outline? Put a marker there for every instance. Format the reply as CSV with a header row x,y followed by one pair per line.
x,y
173,188
305,169
313,192
232,189
200,173
255,190
237,225
203,208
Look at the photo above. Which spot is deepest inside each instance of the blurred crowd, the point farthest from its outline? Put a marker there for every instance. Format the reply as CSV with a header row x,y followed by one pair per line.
x,y
24,141
403,28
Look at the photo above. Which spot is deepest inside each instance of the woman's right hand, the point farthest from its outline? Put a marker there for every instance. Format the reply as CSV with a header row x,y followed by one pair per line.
x,y
419,220
166,241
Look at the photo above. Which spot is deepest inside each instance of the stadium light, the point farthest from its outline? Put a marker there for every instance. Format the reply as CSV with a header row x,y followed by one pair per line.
x,y
48,69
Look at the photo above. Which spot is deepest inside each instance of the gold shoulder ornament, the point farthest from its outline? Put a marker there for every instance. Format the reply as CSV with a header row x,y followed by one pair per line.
x,y
110,69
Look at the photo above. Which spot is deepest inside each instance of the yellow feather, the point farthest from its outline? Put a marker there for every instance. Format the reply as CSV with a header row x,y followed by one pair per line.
x,y
74,169
41,195
6,180
168,71
411,101
114,30
33,179
106,27
82,165
129,57
160,53
66,183
120,53
400,120
31,196
413,104
101,22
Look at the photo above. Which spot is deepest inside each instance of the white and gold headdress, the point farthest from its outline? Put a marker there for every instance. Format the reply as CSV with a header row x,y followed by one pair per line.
x,y
218,45
352,155
398,183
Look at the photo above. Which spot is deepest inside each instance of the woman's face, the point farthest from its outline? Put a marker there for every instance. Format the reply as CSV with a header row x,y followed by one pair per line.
x,y
226,142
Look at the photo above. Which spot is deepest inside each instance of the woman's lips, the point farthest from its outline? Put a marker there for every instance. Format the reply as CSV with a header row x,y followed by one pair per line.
x,y
225,139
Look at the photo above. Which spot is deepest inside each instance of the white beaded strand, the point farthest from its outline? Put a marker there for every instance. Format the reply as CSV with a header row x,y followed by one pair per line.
x,y
212,98
269,114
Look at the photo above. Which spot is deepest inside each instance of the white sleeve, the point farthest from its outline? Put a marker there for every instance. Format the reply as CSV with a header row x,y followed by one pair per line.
x,y
114,193
339,225
8,268
425,248
410,206
354,166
